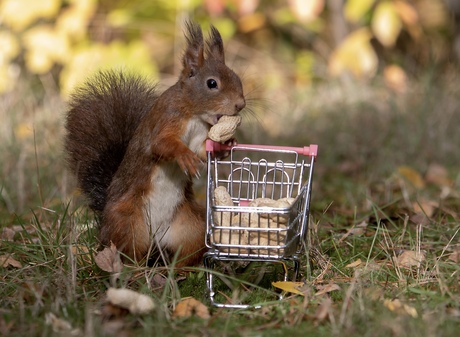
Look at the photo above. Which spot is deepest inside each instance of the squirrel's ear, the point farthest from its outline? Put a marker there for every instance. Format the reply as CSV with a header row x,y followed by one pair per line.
x,y
215,45
193,57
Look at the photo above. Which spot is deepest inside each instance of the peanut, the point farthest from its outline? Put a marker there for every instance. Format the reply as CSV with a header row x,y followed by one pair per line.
x,y
224,129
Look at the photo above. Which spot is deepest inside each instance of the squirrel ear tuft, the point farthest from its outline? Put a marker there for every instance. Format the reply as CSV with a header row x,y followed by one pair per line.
x,y
193,58
215,45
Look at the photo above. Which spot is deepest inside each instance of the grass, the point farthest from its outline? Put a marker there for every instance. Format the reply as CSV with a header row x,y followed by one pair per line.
x,y
366,135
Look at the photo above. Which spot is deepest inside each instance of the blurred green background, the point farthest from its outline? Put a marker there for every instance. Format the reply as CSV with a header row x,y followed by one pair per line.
x,y
373,82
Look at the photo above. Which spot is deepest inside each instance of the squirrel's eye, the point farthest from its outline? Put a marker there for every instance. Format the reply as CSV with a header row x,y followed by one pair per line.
x,y
211,83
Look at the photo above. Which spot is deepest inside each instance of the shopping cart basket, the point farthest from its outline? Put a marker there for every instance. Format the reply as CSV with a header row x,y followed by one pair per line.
x,y
258,203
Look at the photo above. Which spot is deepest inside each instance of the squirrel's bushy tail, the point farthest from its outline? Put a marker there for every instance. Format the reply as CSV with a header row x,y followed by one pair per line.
x,y
102,118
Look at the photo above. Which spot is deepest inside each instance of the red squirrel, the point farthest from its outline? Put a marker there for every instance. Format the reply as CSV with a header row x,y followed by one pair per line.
x,y
134,152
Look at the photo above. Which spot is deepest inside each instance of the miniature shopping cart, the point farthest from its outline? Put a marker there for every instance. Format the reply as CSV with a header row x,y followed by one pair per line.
x,y
258,202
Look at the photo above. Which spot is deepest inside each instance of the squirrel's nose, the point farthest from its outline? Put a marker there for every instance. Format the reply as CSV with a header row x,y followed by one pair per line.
x,y
240,104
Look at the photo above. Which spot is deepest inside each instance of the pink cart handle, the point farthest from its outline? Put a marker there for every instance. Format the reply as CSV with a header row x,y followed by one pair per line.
x,y
312,150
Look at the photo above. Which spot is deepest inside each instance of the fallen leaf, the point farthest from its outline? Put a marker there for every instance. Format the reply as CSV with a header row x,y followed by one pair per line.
x,y
409,258
412,176
455,255
188,307
327,289
420,219
59,325
158,281
354,264
135,302
8,234
288,286
426,207
109,260
438,175
397,306
357,230
82,253
7,260
323,310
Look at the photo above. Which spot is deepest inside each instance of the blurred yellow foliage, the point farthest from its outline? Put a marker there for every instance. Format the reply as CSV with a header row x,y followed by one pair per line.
x,y
306,10
73,21
355,10
10,46
23,131
86,59
44,47
19,14
386,23
354,55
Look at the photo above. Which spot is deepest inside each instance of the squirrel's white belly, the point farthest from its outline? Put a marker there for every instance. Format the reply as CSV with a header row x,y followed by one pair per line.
x,y
168,184
167,193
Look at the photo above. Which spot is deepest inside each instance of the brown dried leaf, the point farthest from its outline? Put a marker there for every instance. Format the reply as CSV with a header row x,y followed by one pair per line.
x,y
426,207
109,260
357,230
8,234
7,260
455,255
409,258
82,254
420,219
59,325
327,289
438,175
189,306
323,310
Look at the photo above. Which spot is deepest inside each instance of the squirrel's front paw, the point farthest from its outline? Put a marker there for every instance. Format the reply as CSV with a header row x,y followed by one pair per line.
x,y
190,163
225,153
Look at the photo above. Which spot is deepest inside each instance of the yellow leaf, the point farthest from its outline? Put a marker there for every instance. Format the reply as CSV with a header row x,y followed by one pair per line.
x,y
386,23
412,176
189,306
354,264
355,10
397,306
288,286
354,55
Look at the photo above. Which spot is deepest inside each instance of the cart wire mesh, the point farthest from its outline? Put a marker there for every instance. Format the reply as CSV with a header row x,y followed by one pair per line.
x,y
270,200
258,203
